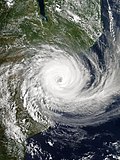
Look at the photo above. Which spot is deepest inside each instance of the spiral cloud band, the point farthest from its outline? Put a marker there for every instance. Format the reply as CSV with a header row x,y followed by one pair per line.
x,y
68,88
51,85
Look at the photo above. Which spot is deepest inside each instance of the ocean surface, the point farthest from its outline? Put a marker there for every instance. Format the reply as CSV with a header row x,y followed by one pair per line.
x,y
60,80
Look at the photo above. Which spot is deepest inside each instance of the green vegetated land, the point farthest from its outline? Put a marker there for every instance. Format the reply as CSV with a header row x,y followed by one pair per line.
x,y
21,25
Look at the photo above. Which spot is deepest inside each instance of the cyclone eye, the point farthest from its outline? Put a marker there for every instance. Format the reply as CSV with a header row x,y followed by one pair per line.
x,y
59,80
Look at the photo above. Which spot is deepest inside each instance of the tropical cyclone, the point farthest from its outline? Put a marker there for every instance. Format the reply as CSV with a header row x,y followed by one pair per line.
x,y
53,85
64,87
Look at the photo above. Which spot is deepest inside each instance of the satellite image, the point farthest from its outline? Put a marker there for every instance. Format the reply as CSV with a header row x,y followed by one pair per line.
x,y
60,80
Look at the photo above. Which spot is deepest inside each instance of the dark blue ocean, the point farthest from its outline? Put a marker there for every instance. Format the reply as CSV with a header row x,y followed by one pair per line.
x,y
93,142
